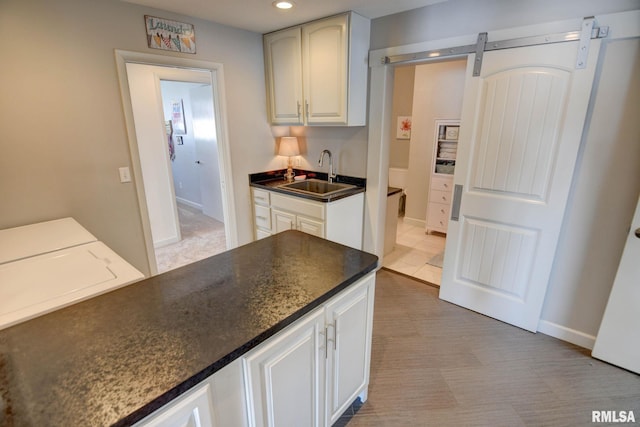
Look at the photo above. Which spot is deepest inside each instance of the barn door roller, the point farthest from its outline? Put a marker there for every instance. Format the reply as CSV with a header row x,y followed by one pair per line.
x,y
589,30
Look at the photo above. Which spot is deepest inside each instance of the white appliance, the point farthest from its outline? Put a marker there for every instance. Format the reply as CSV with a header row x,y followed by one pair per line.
x,y
49,265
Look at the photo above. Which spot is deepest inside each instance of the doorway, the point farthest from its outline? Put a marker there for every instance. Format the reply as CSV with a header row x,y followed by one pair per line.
x,y
426,93
193,154
156,147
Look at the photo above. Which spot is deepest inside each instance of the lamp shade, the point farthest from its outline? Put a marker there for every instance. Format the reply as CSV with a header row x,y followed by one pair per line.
x,y
289,146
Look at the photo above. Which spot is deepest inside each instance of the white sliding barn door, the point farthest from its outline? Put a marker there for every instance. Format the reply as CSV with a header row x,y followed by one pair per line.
x,y
522,122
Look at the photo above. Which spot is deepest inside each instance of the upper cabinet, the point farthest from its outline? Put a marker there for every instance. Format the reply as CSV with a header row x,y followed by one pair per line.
x,y
316,73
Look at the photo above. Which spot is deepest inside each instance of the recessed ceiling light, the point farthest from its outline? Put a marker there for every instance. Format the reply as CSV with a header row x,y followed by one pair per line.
x,y
283,4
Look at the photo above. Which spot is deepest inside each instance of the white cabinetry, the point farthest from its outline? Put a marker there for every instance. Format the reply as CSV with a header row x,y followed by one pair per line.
x,y
312,371
305,375
340,221
217,401
445,148
349,319
285,377
317,73
261,213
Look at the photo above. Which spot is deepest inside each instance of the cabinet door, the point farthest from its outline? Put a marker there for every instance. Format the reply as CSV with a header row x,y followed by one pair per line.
x,y
285,377
192,410
310,226
282,221
349,321
283,56
324,57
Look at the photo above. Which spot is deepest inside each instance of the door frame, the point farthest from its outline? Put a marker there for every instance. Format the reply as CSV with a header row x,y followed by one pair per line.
x,y
381,94
122,57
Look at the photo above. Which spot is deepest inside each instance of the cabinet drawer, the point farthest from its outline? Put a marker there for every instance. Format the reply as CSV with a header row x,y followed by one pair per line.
x,y
298,205
260,197
438,196
441,183
438,216
263,217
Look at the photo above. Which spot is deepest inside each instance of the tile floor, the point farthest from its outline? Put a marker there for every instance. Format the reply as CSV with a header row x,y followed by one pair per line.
x,y
436,364
412,251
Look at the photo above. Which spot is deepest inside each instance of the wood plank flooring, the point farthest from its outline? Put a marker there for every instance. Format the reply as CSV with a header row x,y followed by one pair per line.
x,y
437,364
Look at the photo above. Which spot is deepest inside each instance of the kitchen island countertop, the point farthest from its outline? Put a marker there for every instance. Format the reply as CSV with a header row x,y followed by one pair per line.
x,y
118,357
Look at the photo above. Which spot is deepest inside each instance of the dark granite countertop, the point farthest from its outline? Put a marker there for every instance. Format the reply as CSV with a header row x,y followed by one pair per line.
x,y
116,358
272,181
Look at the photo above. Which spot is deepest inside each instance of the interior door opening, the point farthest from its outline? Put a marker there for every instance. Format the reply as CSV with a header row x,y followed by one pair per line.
x,y
193,153
427,101
187,125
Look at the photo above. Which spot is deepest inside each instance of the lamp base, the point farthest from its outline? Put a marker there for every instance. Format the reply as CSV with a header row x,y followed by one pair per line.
x,y
290,174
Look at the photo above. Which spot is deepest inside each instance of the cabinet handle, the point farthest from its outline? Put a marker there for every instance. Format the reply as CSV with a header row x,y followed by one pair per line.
x,y
298,102
335,333
261,217
306,103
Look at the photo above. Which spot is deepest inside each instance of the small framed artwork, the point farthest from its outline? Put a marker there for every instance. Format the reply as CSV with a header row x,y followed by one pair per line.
x,y
403,131
452,132
177,117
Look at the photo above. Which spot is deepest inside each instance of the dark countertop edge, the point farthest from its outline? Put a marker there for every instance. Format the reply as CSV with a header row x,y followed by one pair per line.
x,y
272,179
197,378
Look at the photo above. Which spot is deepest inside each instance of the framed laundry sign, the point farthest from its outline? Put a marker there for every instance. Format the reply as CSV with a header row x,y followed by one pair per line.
x,y
170,35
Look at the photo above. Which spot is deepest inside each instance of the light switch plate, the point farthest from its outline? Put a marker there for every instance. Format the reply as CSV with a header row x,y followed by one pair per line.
x,y
125,175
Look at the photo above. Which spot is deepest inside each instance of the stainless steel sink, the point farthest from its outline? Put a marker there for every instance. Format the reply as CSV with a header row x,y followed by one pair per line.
x,y
317,187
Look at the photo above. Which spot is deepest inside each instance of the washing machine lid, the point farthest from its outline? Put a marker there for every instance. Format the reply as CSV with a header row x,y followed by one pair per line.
x,y
41,238
50,265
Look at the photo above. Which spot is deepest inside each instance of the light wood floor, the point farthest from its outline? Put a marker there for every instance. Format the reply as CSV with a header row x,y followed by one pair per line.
x,y
436,364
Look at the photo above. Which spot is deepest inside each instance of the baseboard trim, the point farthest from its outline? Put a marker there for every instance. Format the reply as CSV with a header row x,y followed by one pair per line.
x,y
415,222
189,203
566,334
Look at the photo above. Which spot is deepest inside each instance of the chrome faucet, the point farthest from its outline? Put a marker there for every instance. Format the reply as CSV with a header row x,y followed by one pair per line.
x,y
331,174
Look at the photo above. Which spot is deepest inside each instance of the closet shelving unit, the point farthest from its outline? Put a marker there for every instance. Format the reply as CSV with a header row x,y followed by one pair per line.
x,y
443,164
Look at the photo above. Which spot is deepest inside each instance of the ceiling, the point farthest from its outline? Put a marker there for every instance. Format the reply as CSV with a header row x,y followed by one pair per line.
x,y
261,17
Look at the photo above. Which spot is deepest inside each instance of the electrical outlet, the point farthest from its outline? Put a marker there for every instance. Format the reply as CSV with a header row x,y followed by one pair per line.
x,y
298,162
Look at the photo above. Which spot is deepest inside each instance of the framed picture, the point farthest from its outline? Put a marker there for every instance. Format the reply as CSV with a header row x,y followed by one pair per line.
x,y
177,118
452,132
403,130
170,35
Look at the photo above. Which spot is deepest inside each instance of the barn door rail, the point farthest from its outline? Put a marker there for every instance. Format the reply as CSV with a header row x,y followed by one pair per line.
x,y
589,30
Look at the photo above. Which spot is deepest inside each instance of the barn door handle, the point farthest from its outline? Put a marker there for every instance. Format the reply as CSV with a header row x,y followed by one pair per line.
x,y
455,205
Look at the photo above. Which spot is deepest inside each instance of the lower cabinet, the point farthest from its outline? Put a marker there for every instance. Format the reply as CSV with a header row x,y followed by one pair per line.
x,y
218,401
306,375
340,221
310,373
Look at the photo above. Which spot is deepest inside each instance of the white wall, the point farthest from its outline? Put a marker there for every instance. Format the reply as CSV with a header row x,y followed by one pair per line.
x,y
64,134
185,173
602,200
437,94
